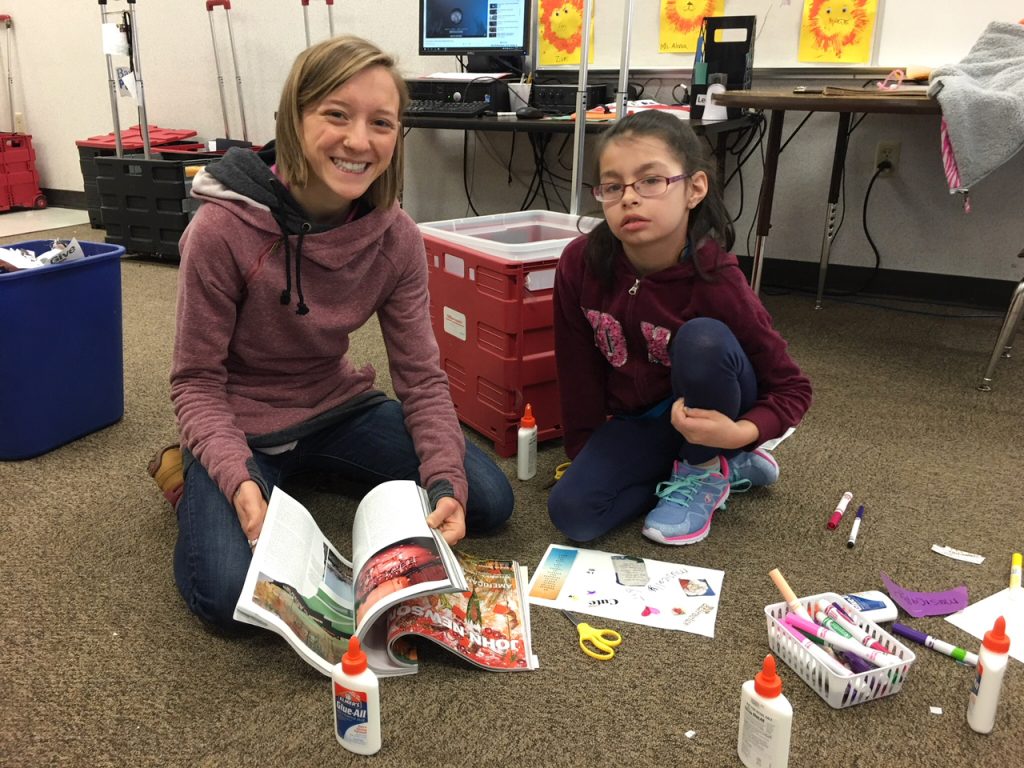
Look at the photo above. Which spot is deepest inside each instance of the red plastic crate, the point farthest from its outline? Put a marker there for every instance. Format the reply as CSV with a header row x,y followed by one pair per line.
x,y
131,138
494,326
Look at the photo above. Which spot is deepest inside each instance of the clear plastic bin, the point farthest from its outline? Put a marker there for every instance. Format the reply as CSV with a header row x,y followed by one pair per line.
x,y
845,691
519,236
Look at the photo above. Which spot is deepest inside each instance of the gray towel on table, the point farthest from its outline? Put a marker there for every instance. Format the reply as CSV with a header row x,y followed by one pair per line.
x,y
982,100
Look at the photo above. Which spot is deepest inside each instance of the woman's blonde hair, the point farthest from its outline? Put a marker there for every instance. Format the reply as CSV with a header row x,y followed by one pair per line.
x,y
317,72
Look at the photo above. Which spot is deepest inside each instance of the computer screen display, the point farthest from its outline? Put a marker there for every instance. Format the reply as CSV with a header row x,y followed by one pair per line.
x,y
457,27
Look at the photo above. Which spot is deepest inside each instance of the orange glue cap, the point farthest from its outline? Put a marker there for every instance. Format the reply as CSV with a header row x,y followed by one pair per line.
x,y
354,660
528,422
996,639
766,682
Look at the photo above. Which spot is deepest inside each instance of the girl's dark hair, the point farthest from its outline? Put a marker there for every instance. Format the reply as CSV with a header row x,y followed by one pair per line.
x,y
708,219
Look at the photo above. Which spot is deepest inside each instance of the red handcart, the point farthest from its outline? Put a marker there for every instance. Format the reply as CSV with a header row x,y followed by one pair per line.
x,y
19,180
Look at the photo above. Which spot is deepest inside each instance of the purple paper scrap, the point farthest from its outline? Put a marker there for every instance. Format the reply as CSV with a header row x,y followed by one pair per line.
x,y
919,604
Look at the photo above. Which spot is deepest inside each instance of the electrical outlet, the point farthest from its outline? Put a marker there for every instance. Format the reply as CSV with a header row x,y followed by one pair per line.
x,y
888,151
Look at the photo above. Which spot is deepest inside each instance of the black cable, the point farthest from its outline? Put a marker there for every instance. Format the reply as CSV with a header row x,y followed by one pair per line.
x,y
465,172
882,166
795,132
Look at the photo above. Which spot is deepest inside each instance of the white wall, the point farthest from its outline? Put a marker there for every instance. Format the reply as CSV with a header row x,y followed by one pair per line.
x,y
60,86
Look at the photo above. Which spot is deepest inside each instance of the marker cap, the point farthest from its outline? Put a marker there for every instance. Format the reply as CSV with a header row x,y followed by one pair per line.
x,y
996,639
766,682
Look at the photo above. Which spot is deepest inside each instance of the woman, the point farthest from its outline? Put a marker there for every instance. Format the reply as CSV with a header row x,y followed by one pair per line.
x,y
280,265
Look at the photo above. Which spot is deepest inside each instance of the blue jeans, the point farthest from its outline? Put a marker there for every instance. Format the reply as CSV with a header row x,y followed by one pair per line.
x,y
212,555
613,479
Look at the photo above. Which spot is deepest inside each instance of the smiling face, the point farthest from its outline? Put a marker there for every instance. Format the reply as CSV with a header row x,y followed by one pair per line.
x,y
652,229
348,141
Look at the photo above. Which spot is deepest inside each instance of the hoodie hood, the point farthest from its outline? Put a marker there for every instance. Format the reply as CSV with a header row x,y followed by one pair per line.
x,y
244,182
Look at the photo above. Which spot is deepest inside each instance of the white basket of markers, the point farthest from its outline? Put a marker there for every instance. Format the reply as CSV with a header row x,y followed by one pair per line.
x,y
833,675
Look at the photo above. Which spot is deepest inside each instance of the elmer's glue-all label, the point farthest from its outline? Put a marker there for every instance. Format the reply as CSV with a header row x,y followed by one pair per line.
x,y
988,681
356,697
766,720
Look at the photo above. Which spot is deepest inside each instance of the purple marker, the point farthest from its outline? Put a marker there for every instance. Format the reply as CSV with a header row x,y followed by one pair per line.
x,y
964,657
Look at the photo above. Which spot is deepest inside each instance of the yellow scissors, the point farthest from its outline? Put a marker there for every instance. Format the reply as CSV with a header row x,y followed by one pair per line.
x,y
596,643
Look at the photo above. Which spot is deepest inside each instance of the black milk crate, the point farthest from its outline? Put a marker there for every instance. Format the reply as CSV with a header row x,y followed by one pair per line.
x,y
145,204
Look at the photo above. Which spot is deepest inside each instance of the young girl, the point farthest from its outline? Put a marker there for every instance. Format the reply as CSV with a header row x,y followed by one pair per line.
x,y
281,263
669,369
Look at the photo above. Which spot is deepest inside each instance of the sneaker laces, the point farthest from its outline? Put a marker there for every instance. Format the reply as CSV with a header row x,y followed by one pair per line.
x,y
681,488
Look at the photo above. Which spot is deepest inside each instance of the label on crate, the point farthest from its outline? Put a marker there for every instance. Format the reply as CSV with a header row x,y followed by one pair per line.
x,y
455,323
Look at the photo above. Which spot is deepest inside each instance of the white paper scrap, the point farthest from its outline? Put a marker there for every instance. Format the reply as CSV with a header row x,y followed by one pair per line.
x,y
690,734
771,445
959,554
935,710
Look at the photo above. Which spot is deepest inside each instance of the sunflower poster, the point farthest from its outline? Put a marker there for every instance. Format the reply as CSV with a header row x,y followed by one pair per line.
x,y
837,31
681,21
560,32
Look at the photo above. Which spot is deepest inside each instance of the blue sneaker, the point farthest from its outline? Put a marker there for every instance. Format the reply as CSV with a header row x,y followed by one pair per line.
x,y
751,469
688,500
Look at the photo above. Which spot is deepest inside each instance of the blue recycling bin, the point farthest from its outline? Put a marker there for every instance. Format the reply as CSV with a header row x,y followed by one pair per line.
x,y
61,359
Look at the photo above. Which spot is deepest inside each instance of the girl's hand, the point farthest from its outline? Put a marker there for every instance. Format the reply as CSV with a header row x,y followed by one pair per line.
x,y
711,428
450,519
251,508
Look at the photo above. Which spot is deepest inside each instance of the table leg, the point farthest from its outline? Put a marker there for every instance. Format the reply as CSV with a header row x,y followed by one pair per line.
x,y
835,187
1004,341
764,203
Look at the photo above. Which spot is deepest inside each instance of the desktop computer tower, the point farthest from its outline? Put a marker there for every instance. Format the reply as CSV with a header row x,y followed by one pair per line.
x,y
481,88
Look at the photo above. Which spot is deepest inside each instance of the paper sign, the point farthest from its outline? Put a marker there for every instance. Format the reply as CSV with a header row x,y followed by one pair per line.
x,y
115,43
920,604
958,554
639,590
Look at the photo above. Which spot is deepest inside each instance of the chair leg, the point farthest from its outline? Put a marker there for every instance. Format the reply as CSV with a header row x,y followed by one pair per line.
x,y
1004,342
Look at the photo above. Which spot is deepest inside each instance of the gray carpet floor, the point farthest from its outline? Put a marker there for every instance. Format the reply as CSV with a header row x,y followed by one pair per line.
x,y
102,665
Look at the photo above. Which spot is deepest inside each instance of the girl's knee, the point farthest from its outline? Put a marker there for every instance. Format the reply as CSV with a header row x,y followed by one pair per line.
x,y
700,333
571,516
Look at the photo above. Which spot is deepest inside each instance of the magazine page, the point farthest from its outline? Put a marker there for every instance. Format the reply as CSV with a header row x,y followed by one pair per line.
x,y
299,586
627,588
395,554
487,624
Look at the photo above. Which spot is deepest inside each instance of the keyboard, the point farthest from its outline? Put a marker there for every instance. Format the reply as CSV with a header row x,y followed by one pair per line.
x,y
438,108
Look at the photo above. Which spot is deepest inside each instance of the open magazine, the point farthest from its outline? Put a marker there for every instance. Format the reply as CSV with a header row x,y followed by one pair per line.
x,y
403,580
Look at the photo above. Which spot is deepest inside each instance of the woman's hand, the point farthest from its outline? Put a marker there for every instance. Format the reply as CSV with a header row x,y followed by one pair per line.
x,y
711,428
251,508
450,519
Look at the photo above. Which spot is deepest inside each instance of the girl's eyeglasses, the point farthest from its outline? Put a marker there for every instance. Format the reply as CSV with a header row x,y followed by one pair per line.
x,y
648,186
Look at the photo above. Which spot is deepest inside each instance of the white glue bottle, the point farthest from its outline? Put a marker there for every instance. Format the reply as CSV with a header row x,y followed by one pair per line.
x,y
766,720
356,697
988,682
526,451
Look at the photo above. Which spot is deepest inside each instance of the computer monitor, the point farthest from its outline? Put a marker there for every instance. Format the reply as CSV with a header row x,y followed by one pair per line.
x,y
493,33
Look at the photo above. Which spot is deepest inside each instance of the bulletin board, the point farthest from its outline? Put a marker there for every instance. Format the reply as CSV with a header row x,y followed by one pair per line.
x,y
907,33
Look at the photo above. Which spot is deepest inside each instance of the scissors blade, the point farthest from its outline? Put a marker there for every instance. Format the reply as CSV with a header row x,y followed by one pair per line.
x,y
571,617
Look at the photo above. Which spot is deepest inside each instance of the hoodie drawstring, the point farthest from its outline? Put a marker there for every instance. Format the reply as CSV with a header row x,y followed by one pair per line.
x,y
286,294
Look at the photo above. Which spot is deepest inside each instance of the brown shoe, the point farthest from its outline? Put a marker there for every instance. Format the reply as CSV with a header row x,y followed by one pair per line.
x,y
166,469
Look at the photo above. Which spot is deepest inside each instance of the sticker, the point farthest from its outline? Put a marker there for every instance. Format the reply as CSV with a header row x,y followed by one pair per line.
x,y
630,571
454,323
695,587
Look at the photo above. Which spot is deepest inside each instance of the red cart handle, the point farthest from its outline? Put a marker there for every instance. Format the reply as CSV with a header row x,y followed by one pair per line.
x,y
211,4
